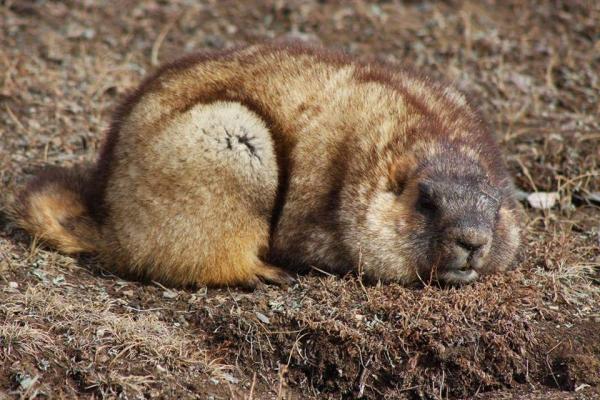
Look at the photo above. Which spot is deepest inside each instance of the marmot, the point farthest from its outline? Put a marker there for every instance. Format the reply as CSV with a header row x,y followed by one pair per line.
x,y
228,168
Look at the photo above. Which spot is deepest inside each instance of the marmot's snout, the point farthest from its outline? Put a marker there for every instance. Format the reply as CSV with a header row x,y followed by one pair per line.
x,y
468,248
462,210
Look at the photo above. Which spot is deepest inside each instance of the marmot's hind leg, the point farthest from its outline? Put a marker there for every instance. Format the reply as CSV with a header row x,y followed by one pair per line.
x,y
271,274
193,203
247,274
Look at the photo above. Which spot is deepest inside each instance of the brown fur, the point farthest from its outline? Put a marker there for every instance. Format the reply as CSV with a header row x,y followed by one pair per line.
x,y
219,164
53,207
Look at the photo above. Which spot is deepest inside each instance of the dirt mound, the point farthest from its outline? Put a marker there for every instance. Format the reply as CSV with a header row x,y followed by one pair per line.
x,y
339,337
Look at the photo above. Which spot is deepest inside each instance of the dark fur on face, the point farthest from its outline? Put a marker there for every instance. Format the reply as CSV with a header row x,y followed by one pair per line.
x,y
457,209
460,209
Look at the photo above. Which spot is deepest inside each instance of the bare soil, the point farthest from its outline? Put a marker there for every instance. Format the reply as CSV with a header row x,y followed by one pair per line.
x,y
70,329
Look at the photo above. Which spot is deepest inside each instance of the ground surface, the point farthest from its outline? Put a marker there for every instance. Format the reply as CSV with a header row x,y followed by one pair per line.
x,y
69,329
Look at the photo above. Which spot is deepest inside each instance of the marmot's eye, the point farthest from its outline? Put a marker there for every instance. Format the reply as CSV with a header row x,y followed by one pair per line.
x,y
426,202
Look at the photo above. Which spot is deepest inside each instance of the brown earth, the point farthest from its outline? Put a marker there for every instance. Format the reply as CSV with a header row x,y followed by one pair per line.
x,y
70,329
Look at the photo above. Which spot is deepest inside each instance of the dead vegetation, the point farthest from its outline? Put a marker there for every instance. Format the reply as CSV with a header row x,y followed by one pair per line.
x,y
69,329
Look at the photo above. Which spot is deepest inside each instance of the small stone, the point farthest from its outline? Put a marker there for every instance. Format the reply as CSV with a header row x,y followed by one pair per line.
x,y
543,200
276,305
169,294
59,280
26,382
13,285
40,274
183,321
43,365
581,387
262,317
230,378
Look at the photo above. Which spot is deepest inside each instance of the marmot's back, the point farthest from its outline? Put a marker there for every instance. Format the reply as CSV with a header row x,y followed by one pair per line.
x,y
220,164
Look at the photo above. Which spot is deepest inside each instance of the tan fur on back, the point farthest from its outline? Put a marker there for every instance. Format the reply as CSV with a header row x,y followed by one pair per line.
x,y
219,165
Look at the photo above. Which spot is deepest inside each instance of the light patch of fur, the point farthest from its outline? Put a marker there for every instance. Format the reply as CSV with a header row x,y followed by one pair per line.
x,y
381,255
197,214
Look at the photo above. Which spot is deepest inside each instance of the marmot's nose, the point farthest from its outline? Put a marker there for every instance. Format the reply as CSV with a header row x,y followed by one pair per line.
x,y
470,246
470,239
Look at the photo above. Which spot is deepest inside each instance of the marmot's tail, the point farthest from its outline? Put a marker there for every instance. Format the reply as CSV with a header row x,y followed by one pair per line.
x,y
54,208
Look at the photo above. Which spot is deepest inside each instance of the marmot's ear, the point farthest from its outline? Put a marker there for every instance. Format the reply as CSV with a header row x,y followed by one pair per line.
x,y
398,173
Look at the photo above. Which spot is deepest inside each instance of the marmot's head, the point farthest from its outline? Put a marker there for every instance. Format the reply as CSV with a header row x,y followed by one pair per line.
x,y
443,218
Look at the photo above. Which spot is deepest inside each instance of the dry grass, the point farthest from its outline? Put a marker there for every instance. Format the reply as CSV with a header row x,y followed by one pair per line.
x,y
105,345
69,329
